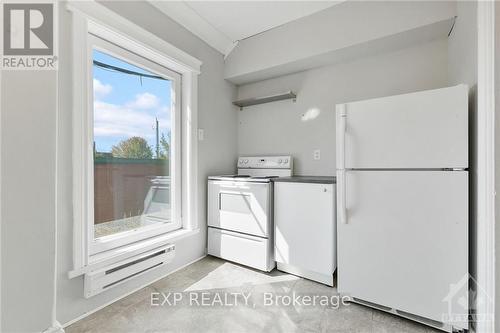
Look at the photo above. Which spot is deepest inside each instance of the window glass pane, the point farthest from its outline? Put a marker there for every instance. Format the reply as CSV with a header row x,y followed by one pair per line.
x,y
132,132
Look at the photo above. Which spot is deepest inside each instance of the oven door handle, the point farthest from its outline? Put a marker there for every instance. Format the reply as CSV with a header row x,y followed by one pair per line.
x,y
227,184
222,186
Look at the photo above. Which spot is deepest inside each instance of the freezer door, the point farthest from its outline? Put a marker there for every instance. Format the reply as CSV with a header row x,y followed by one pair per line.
x,y
404,243
426,129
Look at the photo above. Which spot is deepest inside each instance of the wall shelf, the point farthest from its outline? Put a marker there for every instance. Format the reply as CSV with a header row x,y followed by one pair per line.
x,y
265,99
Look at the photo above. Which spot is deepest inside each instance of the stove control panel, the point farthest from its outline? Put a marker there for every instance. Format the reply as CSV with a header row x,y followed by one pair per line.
x,y
265,162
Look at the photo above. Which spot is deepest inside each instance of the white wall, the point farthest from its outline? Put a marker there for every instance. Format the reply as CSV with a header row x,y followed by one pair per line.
x,y
497,160
279,127
330,33
217,154
28,113
463,45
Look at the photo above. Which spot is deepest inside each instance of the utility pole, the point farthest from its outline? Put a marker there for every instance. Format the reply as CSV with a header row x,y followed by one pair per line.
x,y
157,139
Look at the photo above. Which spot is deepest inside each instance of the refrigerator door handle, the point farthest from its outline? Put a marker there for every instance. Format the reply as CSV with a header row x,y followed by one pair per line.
x,y
342,211
341,129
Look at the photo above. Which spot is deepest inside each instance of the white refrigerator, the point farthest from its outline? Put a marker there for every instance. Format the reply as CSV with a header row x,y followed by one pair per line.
x,y
402,204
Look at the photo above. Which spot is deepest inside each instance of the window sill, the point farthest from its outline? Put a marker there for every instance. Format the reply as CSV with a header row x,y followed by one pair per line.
x,y
110,257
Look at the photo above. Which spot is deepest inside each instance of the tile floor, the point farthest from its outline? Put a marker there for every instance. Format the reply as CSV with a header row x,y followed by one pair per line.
x,y
245,308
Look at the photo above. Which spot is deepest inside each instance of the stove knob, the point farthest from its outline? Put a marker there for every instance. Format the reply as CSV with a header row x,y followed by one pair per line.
x,y
246,161
286,161
279,161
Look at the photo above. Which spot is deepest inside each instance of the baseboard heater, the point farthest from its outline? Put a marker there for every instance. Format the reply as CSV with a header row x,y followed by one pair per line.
x,y
101,280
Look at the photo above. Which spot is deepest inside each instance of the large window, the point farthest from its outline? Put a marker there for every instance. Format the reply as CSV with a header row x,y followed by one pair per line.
x,y
133,189
136,147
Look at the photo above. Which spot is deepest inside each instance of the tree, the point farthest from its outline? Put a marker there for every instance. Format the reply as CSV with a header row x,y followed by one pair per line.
x,y
134,147
164,146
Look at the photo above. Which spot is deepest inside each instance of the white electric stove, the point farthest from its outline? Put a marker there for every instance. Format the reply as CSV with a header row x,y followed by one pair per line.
x,y
240,211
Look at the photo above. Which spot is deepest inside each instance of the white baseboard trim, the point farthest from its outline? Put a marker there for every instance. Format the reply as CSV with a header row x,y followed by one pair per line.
x,y
86,314
55,328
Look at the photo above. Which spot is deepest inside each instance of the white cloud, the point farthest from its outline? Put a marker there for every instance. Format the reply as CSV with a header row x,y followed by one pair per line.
x,y
101,89
113,120
144,101
164,110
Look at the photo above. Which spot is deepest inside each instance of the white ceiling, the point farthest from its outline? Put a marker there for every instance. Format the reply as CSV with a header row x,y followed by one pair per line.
x,y
223,23
242,19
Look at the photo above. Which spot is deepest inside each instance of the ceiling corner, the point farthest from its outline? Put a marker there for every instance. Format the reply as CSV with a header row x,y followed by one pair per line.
x,y
184,15
230,49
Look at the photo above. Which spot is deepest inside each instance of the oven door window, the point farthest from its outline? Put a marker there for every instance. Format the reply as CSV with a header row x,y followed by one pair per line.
x,y
243,208
236,203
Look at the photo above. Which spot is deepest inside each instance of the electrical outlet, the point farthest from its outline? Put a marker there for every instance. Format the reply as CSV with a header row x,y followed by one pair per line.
x,y
317,154
201,134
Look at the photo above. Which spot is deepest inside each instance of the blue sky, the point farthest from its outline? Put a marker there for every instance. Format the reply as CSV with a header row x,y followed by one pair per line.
x,y
124,108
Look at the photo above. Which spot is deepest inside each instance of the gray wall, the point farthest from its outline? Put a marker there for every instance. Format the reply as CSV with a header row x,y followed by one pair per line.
x,y
28,112
281,127
217,154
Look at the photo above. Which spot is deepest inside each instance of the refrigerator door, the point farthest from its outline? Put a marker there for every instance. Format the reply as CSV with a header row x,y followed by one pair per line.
x,y
404,242
425,129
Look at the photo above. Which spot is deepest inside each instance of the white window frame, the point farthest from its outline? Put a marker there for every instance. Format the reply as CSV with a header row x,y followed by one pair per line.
x,y
109,242
91,18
